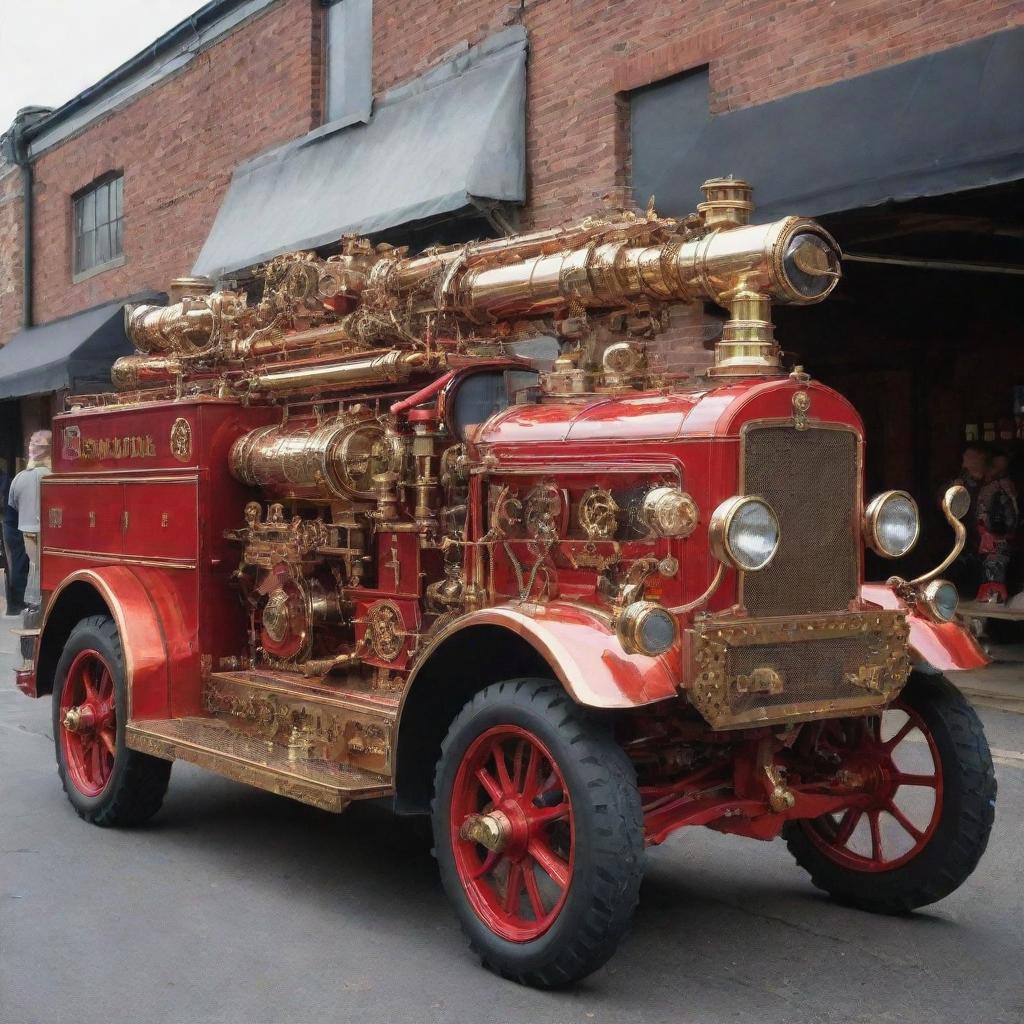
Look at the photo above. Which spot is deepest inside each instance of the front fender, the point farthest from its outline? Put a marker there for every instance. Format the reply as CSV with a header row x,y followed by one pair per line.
x,y
582,651
944,646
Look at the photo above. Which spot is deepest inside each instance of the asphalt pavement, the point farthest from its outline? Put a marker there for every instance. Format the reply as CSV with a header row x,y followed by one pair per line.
x,y
234,905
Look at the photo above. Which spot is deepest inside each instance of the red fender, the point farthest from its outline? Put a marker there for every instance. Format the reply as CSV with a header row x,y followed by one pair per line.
x,y
945,646
582,650
155,640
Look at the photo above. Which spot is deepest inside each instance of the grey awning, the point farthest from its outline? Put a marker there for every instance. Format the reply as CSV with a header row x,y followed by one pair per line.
x,y
75,353
451,135
947,122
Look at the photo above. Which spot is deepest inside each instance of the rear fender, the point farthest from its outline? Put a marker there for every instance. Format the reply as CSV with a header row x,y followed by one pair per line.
x,y
119,591
939,646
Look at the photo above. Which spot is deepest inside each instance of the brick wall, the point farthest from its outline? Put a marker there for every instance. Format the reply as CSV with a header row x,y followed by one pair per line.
x,y
10,249
179,143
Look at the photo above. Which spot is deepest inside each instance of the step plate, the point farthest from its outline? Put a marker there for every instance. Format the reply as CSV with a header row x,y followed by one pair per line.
x,y
217,747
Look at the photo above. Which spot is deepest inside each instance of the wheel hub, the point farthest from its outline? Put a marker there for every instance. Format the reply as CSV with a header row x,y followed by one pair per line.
x,y
80,719
492,831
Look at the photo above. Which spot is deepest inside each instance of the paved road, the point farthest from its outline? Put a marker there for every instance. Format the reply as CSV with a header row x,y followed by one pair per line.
x,y
238,906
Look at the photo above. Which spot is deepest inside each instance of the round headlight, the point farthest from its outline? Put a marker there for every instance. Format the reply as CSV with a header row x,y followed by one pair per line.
x,y
670,512
646,628
941,599
891,524
744,533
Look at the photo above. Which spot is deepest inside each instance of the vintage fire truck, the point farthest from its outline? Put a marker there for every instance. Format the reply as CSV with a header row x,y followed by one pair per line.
x,y
341,533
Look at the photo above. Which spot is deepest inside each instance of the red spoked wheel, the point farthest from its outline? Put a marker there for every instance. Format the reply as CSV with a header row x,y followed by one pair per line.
x,y
88,722
898,757
513,832
922,797
106,783
538,832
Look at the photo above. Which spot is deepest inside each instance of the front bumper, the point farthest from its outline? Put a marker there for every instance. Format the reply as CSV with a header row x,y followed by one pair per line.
x,y
770,671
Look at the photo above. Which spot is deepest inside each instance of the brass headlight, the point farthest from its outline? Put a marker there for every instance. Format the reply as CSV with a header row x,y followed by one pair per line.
x,y
941,600
646,628
670,512
744,533
892,524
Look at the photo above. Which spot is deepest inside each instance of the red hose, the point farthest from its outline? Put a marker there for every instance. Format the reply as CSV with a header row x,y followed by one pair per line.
x,y
423,394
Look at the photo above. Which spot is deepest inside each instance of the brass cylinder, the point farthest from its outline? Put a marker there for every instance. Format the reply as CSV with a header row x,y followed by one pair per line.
x,y
333,460
390,368
132,372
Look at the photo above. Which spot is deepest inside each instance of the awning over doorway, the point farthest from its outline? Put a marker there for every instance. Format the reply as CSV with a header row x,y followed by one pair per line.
x,y
947,122
452,135
74,353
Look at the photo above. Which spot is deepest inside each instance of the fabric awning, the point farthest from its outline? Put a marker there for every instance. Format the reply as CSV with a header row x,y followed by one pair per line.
x,y
456,133
946,122
75,353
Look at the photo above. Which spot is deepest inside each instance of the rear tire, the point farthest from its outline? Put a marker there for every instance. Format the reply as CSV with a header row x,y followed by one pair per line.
x,y
107,783
551,905
948,848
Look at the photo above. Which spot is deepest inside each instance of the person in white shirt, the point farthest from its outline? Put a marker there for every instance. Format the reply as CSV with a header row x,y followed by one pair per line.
x,y
24,496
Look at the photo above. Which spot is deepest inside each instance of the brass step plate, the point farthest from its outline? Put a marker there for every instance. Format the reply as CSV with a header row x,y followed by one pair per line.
x,y
217,747
343,725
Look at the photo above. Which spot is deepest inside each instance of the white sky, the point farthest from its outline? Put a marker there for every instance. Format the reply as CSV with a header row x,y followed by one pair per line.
x,y
50,50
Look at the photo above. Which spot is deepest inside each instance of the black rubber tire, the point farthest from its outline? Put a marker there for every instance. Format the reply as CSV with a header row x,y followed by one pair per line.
x,y
953,852
608,868
138,782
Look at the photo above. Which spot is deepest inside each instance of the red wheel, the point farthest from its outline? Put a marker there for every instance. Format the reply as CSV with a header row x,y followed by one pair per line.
x,y
513,832
921,806
897,821
88,722
538,832
107,783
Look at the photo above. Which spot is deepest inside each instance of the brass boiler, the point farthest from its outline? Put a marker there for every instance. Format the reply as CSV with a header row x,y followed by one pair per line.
x,y
331,461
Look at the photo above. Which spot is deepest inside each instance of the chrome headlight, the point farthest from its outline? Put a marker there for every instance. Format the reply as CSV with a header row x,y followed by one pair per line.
x,y
941,600
646,628
892,524
744,533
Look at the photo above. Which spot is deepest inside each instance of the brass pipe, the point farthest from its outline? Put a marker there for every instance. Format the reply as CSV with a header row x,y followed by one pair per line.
x,y
288,343
390,368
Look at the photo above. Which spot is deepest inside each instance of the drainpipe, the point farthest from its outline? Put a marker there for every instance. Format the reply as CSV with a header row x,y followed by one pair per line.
x,y
15,146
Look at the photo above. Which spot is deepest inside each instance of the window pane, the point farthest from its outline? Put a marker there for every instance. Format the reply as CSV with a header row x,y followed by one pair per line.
x,y
103,244
87,252
118,198
118,240
88,202
102,213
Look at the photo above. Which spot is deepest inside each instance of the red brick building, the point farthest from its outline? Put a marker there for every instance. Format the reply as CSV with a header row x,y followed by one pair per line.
x,y
161,137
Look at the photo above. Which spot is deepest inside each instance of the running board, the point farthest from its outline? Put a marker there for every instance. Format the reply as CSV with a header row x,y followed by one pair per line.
x,y
217,747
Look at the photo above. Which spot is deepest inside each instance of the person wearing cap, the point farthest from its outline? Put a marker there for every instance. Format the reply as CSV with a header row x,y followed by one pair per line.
x,y
24,496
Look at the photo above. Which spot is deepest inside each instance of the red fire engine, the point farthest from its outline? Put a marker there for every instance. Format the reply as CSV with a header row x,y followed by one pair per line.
x,y
443,529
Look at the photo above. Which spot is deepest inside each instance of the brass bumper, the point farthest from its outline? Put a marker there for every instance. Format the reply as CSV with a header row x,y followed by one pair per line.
x,y
749,672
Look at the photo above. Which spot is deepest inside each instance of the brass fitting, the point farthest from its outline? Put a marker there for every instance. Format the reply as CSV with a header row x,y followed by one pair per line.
x,y
491,831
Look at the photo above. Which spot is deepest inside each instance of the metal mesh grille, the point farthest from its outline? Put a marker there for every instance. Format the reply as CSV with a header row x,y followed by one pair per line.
x,y
812,672
810,478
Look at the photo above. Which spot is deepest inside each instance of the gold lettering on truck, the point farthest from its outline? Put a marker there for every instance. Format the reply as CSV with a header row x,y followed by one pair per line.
x,y
133,446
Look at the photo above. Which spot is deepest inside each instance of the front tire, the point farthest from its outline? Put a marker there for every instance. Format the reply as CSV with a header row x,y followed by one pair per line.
x,y
107,783
538,833
941,846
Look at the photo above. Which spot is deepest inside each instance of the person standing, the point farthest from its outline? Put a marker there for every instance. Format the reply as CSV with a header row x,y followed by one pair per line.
x,y
998,515
16,575
24,496
966,571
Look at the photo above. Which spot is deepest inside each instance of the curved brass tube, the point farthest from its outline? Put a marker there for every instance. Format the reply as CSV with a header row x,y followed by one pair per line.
x,y
952,501
716,582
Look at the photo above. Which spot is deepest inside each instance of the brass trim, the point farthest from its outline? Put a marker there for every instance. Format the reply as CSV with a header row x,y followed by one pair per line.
x,y
122,478
929,598
630,624
959,530
97,556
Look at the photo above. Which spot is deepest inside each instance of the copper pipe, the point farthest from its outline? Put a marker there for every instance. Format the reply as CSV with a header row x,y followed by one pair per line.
x,y
389,368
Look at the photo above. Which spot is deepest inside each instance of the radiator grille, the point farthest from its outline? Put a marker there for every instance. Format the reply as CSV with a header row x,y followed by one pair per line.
x,y
810,478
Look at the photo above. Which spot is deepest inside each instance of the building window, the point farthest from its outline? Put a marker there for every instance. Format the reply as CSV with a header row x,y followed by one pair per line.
x,y
349,60
98,233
